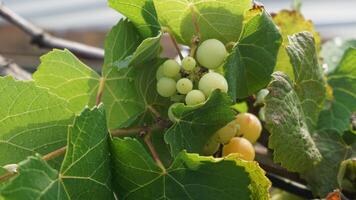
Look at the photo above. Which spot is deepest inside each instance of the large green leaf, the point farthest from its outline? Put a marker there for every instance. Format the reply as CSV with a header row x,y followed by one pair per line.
x,y
121,42
308,75
130,93
250,65
141,12
221,19
343,103
196,124
189,177
64,75
32,120
148,50
129,75
333,51
289,23
322,178
290,136
85,172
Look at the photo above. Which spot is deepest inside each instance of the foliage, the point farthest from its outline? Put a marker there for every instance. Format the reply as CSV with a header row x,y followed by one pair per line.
x,y
119,141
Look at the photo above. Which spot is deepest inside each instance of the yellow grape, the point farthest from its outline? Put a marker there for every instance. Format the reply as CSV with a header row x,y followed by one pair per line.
x,y
241,146
249,126
227,132
211,147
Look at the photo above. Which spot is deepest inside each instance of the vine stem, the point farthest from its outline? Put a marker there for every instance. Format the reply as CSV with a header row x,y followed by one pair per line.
x,y
174,41
47,157
195,21
194,46
148,141
100,91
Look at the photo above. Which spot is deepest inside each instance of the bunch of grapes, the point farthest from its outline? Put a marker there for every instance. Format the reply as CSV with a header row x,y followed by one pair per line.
x,y
195,79
237,136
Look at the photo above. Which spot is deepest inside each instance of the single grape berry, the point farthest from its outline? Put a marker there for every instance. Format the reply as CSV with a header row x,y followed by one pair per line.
x,y
194,97
211,53
249,126
189,63
226,133
184,86
210,148
260,97
211,81
241,146
166,87
159,72
171,68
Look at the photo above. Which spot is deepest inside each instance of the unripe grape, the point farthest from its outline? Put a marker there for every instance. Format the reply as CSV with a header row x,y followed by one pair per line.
x,y
159,72
184,86
189,63
211,81
194,97
211,147
211,53
250,126
166,87
227,132
170,113
240,146
171,68
260,97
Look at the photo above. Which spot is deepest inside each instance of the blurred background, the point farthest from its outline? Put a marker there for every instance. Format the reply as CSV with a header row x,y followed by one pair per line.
x,y
88,21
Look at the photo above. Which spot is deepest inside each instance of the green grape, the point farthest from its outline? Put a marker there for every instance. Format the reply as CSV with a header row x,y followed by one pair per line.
x,y
211,147
189,63
194,97
227,132
184,86
166,87
171,68
249,126
211,53
170,113
159,72
242,147
260,97
177,77
211,81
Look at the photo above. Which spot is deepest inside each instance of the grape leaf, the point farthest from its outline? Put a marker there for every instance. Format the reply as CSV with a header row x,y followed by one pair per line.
x,y
141,12
64,75
322,178
333,51
343,103
148,50
250,65
221,19
32,120
129,88
196,124
121,42
308,74
289,23
130,93
286,122
86,164
136,176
